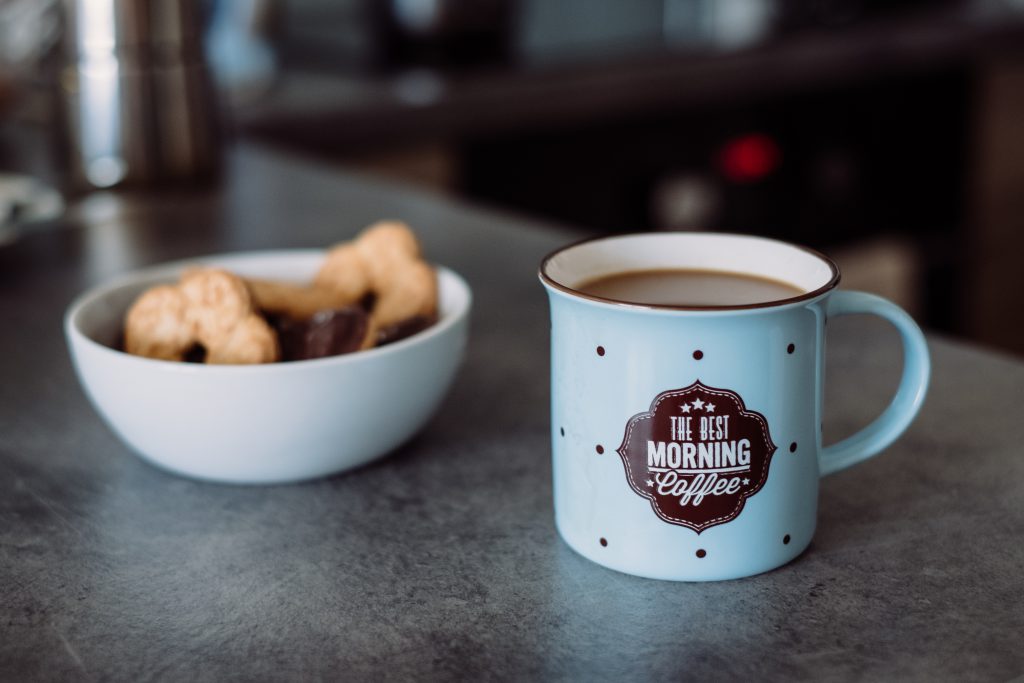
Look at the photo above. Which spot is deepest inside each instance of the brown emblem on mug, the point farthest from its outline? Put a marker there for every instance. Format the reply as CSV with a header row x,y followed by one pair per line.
x,y
697,455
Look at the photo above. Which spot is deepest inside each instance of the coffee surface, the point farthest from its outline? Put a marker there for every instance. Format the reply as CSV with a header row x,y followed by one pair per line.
x,y
680,287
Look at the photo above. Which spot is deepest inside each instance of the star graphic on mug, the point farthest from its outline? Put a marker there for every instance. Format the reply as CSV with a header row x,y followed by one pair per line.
x,y
650,483
685,407
697,403
746,482
710,407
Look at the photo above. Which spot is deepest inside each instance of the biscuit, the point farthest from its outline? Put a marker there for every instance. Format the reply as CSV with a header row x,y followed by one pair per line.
x,y
344,272
297,301
384,260
208,307
156,326
221,311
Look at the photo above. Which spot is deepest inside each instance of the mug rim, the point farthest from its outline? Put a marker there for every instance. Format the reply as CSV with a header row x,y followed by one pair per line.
x,y
833,281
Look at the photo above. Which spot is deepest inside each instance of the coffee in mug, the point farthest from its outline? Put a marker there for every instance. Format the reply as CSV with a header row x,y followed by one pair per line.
x,y
688,288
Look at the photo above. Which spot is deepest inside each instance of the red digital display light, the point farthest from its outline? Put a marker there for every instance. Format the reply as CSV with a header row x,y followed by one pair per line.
x,y
749,158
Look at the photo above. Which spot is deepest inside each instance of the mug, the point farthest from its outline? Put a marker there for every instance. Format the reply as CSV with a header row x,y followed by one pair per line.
x,y
686,440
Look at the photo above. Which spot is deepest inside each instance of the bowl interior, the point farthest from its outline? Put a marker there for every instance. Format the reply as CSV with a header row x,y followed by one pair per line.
x,y
98,315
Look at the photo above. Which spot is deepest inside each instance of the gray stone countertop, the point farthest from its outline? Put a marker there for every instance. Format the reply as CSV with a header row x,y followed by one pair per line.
x,y
442,560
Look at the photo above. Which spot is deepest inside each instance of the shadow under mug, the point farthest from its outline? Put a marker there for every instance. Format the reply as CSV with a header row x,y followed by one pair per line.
x,y
686,441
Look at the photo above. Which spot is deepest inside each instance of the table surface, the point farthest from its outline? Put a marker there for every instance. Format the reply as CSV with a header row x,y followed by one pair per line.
x,y
442,561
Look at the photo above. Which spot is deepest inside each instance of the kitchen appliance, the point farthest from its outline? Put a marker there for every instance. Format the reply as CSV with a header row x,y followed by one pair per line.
x,y
136,94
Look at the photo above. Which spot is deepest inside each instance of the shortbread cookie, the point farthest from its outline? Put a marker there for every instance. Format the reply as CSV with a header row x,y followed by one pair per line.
x,y
384,260
383,264
296,301
208,307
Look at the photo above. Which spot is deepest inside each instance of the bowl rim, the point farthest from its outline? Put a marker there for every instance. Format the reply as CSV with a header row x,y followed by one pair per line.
x,y
97,292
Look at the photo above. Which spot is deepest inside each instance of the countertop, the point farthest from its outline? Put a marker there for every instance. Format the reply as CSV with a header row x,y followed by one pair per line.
x,y
442,561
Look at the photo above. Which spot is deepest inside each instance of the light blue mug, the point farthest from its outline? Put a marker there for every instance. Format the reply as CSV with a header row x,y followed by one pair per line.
x,y
686,441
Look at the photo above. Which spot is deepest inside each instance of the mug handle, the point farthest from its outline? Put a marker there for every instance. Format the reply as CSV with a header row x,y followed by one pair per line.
x,y
909,396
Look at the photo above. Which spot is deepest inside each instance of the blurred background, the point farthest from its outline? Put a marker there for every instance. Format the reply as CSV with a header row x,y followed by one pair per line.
x,y
889,134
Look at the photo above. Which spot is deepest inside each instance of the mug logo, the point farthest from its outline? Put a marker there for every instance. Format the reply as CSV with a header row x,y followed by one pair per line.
x,y
697,455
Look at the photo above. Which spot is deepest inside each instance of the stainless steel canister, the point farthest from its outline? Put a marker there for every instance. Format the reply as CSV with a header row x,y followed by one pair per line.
x,y
137,94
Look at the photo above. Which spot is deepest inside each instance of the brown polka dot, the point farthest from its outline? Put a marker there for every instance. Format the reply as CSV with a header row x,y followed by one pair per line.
x,y
702,553
785,539
791,348
792,447
599,448
698,354
600,350
562,430
604,542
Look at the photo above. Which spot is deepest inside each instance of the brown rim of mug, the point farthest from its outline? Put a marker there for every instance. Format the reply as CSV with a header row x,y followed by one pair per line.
x,y
831,284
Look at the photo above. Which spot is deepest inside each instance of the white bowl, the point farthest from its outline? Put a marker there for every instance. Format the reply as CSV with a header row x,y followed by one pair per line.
x,y
259,424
